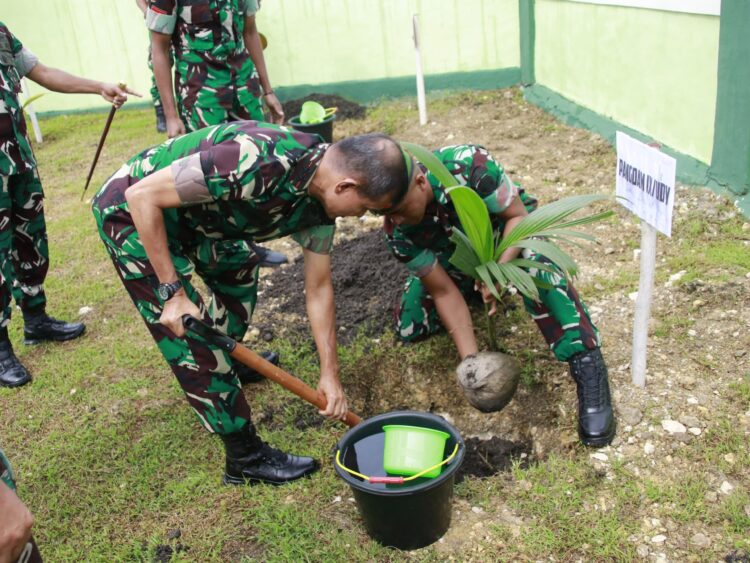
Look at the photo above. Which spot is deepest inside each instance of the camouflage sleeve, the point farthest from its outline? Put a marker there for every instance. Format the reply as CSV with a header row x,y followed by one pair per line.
x,y
252,7
161,16
232,169
473,166
419,261
318,239
6,473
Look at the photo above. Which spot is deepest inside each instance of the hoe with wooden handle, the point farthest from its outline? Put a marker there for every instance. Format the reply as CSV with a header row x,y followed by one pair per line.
x,y
265,368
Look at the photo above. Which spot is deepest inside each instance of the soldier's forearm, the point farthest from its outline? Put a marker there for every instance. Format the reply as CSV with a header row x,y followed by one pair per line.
x,y
60,81
452,310
321,311
146,200
255,50
163,76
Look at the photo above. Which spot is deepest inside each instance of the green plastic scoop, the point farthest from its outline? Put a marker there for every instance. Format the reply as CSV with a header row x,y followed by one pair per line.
x,y
313,112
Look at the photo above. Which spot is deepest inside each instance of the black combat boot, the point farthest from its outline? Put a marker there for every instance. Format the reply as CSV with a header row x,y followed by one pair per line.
x,y
41,326
268,257
12,372
249,375
596,421
251,460
161,120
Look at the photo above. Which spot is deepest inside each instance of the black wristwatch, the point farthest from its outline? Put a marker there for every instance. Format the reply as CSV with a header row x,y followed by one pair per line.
x,y
165,291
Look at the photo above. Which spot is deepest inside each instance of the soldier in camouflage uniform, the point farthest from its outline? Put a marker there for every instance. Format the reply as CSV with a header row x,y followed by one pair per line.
x,y
161,119
23,237
219,68
16,543
187,207
418,234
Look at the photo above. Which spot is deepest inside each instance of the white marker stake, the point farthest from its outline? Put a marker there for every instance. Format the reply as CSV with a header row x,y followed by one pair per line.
x,y
645,183
421,102
32,114
643,304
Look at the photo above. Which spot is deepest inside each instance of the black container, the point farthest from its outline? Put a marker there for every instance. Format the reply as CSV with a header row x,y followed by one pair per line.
x,y
407,516
324,128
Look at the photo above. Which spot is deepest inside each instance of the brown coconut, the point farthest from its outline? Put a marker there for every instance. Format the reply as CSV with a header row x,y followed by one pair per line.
x,y
489,379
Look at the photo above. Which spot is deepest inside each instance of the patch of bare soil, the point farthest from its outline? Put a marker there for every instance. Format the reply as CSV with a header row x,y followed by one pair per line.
x,y
489,457
367,282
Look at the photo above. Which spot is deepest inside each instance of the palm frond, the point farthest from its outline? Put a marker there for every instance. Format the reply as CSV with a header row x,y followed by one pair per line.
x,y
431,162
475,220
464,257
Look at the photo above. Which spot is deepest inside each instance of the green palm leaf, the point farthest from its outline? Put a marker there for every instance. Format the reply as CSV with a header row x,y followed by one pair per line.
x,y
518,278
475,220
464,257
432,163
547,216
553,253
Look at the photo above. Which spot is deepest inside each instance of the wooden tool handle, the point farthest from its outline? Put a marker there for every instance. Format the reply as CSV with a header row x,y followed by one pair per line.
x,y
252,360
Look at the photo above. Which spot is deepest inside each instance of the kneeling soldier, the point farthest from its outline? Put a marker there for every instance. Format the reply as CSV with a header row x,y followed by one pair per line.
x,y
418,233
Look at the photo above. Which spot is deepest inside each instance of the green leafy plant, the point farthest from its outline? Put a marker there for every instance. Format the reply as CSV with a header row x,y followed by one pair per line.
x,y
478,249
31,100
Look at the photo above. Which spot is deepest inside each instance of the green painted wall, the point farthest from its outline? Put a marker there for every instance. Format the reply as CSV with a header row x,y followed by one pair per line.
x,y
651,70
311,42
731,156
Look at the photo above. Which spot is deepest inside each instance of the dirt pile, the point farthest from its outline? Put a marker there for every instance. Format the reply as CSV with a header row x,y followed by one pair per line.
x,y
347,109
367,283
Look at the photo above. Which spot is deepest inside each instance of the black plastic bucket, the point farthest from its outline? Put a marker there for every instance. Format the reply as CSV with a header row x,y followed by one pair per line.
x,y
324,128
407,516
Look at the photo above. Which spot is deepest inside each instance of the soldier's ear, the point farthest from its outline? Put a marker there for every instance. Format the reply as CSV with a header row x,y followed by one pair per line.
x,y
344,185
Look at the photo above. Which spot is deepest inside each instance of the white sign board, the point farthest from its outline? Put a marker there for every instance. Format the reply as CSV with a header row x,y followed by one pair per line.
x,y
646,178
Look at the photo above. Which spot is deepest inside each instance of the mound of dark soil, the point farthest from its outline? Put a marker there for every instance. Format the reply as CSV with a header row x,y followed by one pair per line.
x,y
367,283
347,109
488,457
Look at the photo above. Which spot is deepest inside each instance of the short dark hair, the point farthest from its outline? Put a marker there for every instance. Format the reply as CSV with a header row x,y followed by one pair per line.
x,y
378,163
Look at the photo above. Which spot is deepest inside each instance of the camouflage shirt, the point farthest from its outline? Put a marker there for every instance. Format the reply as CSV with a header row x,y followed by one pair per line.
x,y
422,246
238,181
204,32
16,61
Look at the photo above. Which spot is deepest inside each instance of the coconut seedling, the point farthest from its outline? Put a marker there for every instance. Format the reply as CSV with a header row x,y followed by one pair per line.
x,y
490,379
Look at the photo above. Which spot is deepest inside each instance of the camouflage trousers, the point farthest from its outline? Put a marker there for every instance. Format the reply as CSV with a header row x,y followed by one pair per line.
x,y
24,256
560,314
212,96
229,270
30,553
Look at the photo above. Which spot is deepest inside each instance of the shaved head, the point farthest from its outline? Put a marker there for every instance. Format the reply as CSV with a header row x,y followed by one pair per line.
x,y
376,161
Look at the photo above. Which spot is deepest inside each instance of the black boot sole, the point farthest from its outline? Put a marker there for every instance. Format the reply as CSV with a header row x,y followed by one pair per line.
x,y
14,385
598,441
230,480
63,338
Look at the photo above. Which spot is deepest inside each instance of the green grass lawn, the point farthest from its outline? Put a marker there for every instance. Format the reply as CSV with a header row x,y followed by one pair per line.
x,y
110,458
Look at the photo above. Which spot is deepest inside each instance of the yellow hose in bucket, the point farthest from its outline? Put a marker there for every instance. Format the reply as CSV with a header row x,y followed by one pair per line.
x,y
393,480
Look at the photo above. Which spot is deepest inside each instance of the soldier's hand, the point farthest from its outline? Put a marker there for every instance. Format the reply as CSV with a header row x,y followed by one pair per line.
x,y
175,127
336,406
116,95
487,297
175,308
15,525
275,109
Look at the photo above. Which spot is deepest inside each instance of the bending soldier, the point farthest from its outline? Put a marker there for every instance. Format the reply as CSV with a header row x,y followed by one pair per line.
x,y
186,207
